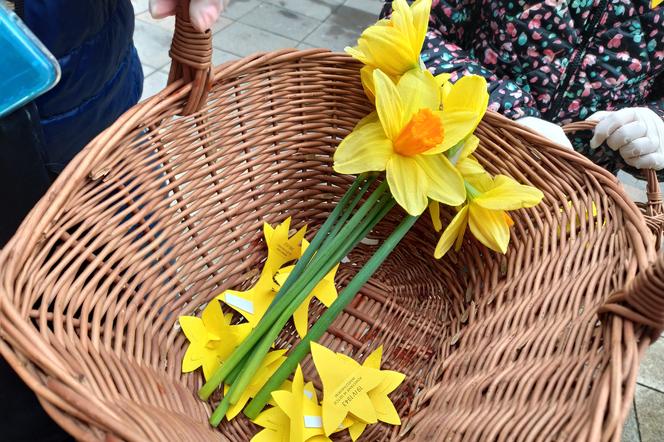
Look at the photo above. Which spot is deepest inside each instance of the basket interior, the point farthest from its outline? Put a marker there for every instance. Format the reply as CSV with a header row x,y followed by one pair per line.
x,y
170,213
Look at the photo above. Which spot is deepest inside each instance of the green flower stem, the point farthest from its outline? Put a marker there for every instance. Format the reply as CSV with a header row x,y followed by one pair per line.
x,y
323,323
336,218
233,375
342,220
270,317
264,346
365,184
343,247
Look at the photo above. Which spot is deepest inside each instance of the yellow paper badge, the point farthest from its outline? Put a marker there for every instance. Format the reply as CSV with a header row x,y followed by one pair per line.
x,y
269,365
281,249
211,337
296,416
325,292
354,390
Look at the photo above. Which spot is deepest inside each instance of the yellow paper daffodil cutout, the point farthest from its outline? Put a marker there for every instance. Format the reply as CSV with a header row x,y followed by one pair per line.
x,y
485,212
393,45
212,339
407,134
578,219
252,303
325,292
281,249
270,364
296,416
390,380
346,385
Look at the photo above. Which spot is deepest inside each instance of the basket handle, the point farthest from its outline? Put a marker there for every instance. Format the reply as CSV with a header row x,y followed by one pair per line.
x,y
191,55
654,205
642,300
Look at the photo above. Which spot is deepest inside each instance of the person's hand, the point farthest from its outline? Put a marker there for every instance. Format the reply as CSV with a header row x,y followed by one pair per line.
x,y
636,132
548,130
203,13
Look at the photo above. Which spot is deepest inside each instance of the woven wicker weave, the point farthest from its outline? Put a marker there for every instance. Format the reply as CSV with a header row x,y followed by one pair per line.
x,y
164,210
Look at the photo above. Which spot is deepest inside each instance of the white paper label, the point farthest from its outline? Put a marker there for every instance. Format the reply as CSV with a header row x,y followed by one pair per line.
x,y
369,241
241,303
308,394
313,421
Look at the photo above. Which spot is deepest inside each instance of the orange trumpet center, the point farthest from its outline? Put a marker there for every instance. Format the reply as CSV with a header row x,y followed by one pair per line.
x,y
423,132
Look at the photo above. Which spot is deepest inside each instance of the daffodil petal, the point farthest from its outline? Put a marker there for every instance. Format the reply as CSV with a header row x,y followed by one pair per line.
x,y
388,104
458,125
434,211
444,182
489,227
508,194
418,90
408,184
468,94
421,10
386,48
469,167
365,149
453,230
366,75
462,232
356,53
443,78
402,19
469,146
371,118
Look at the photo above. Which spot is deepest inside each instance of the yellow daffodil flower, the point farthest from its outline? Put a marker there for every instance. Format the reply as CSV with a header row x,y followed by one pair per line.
x,y
325,292
656,3
488,199
408,133
467,165
269,365
212,339
393,45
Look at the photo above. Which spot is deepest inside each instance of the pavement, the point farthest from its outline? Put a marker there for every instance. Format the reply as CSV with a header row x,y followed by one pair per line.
x,y
249,26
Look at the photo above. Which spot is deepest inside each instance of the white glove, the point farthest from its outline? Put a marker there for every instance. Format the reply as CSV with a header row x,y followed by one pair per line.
x,y
636,132
548,130
203,13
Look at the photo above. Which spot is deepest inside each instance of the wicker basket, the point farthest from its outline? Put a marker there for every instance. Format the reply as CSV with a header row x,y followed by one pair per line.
x,y
164,210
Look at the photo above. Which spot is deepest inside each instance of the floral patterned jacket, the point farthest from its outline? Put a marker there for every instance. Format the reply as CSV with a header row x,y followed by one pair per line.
x,y
560,60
